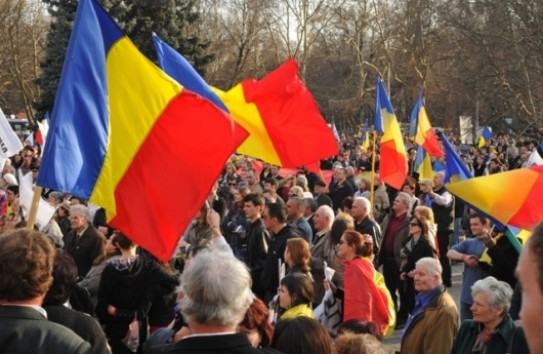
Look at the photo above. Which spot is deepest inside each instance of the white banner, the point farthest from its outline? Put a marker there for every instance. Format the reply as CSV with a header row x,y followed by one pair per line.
x,y
26,192
466,130
10,144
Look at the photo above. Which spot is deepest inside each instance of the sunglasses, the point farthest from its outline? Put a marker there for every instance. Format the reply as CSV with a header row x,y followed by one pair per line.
x,y
414,224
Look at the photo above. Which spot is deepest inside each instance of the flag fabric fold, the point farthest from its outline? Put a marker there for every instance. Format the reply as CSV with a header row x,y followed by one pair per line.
x,y
272,110
178,68
423,165
43,130
129,138
393,161
282,118
512,197
421,131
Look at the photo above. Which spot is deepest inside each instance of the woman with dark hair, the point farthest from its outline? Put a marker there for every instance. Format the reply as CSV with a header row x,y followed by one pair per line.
x,y
297,256
234,223
347,205
256,326
341,223
126,293
363,298
479,167
91,281
295,296
417,246
301,335
64,277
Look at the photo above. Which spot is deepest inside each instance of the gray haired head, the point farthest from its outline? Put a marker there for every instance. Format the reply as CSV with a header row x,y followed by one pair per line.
x,y
216,289
498,293
431,265
80,209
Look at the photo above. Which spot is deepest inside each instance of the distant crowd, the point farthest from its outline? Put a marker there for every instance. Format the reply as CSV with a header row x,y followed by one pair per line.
x,y
277,261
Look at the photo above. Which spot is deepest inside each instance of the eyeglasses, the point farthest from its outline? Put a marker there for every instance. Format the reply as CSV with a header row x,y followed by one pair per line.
x,y
414,224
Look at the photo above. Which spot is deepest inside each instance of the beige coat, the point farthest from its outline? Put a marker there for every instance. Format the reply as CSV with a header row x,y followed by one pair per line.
x,y
432,331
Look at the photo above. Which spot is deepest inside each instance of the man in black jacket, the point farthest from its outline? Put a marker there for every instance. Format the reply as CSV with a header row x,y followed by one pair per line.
x,y
258,239
364,222
84,243
275,220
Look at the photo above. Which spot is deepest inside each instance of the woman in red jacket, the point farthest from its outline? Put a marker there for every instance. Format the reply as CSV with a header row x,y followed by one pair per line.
x,y
363,299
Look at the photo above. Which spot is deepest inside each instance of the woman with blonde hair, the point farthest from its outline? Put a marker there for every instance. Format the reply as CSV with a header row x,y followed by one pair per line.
x,y
428,214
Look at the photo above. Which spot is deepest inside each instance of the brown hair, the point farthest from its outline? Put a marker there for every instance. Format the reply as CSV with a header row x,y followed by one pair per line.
x,y
342,222
256,317
301,335
299,253
363,248
26,264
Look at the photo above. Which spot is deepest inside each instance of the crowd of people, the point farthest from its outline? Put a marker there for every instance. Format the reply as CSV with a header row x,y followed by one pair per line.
x,y
276,263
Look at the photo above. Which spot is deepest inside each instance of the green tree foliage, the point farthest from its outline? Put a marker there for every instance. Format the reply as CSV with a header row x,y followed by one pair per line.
x,y
171,20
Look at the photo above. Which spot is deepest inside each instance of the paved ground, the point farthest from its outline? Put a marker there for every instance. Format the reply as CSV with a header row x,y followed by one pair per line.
x,y
455,292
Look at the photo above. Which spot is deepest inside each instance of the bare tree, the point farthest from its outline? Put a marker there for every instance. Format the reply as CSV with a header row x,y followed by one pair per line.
x,y
23,26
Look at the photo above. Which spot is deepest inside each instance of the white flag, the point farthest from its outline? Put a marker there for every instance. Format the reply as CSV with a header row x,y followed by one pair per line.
x,y
10,144
534,159
26,192
44,129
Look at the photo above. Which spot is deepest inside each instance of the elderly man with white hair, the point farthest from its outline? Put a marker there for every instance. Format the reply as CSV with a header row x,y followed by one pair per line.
x,y
364,221
323,220
84,243
432,324
216,293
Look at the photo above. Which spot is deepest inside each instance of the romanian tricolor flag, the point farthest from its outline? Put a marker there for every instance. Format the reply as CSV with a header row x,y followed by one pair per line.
x,y
393,165
285,126
284,123
423,165
512,197
421,131
486,135
129,138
